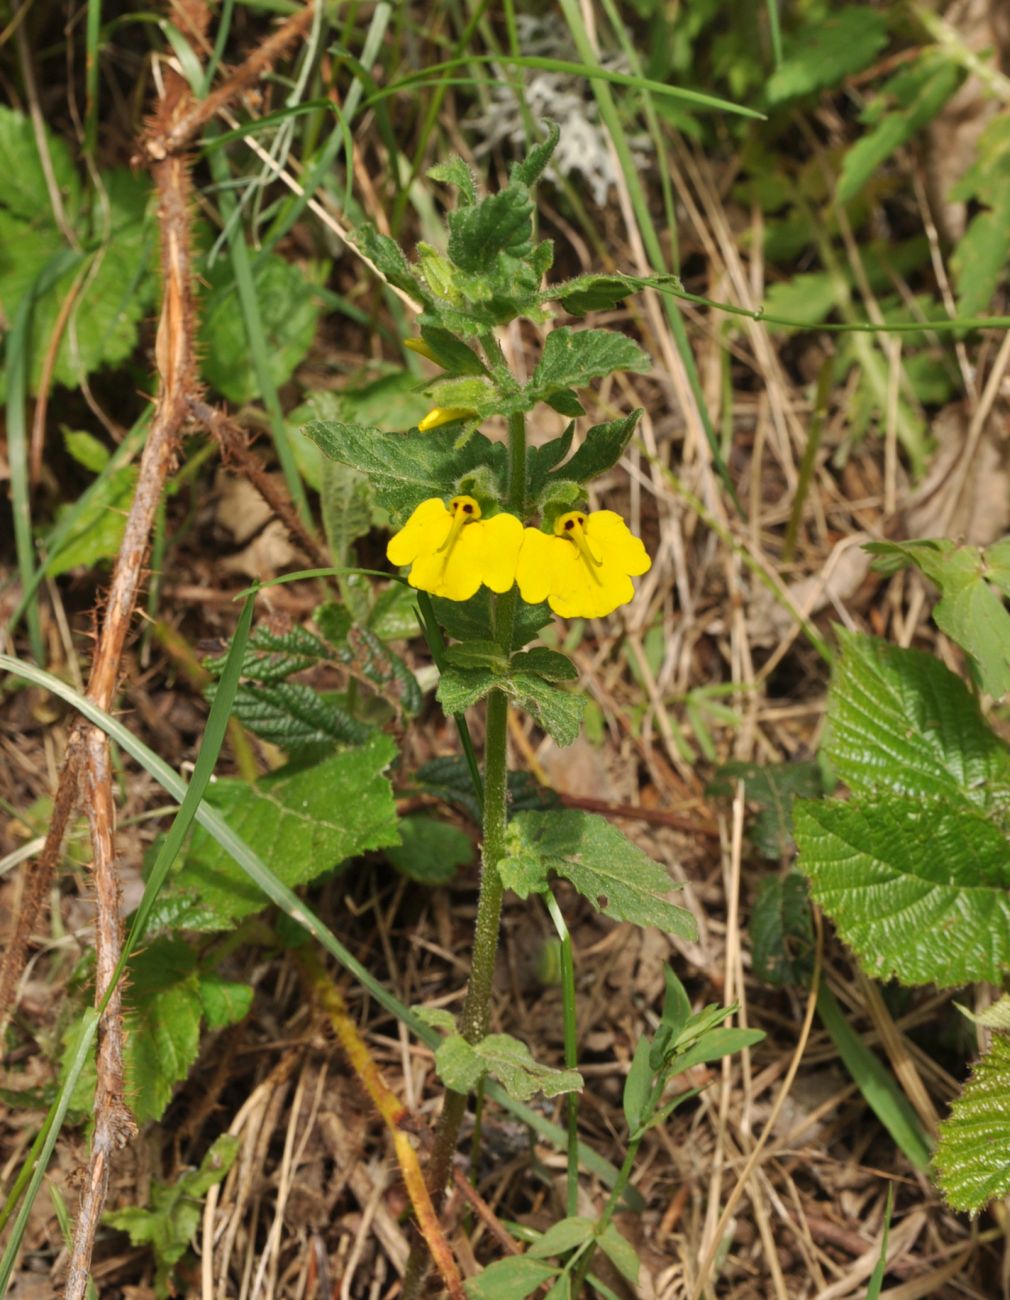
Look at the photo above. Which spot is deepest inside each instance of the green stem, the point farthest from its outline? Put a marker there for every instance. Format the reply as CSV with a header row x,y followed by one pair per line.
x,y
477,1005
571,1049
623,1179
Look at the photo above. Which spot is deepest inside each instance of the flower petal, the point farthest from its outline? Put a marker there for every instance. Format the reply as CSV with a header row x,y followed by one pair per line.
x,y
496,548
533,570
425,530
619,546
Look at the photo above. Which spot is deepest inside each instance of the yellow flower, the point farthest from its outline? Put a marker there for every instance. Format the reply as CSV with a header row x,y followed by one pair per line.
x,y
444,415
452,551
583,570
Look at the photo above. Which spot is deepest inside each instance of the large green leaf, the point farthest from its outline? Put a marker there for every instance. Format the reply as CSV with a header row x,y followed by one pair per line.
x,y
163,1012
303,820
573,358
403,469
462,1065
973,1155
822,53
605,867
175,1213
26,189
502,223
971,609
919,889
900,721
289,309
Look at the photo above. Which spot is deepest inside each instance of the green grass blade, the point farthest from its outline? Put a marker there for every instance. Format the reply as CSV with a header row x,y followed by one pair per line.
x,y
881,1093
880,1268
288,902
210,748
242,270
647,229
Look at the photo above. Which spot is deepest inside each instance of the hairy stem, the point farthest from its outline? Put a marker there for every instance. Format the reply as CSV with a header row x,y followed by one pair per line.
x,y
477,1004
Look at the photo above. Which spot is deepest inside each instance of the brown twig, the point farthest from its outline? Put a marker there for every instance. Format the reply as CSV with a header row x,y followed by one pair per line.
x,y
232,440
634,812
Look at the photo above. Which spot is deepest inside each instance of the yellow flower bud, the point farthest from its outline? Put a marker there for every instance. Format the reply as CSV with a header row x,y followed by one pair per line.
x,y
444,415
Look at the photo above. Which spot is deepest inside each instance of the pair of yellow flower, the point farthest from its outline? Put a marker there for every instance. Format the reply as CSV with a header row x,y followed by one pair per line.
x,y
583,571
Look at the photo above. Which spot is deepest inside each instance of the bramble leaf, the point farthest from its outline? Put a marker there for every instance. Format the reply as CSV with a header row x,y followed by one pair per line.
x,y
971,609
973,1154
605,867
163,1010
170,1224
289,309
782,931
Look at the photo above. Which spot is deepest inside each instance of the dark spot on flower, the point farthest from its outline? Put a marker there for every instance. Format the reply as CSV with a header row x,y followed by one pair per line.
x,y
468,510
569,524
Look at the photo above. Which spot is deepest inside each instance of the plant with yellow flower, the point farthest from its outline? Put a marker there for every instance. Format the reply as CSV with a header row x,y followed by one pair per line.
x,y
495,537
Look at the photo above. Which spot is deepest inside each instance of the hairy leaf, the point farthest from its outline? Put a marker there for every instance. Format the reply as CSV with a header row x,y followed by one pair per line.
x,y
404,471
558,711
573,358
973,1155
304,821
601,449
605,867
431,851
502,223
461,1066
472,620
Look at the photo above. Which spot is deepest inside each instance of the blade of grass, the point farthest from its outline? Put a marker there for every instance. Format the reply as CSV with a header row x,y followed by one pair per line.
x,y
210,748
882,1094
880,1268
647,230
242,269
290,903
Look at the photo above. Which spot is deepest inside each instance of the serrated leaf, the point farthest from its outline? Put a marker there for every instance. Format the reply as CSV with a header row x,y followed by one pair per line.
x,y
601,449
971,609
26,188
346,508
388,259
529,170
478,654
605,867
473,619
296,718
509,1279
901,721
304,821
163,1010
996,1016
502,223
454,171
821,54
782,931
558,711
431,851
573,358
224,1002
461,1066
562,1237
973,1155
406,469
170,1224
461,688
552,665
921,93
621,1253
289,310
919,890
